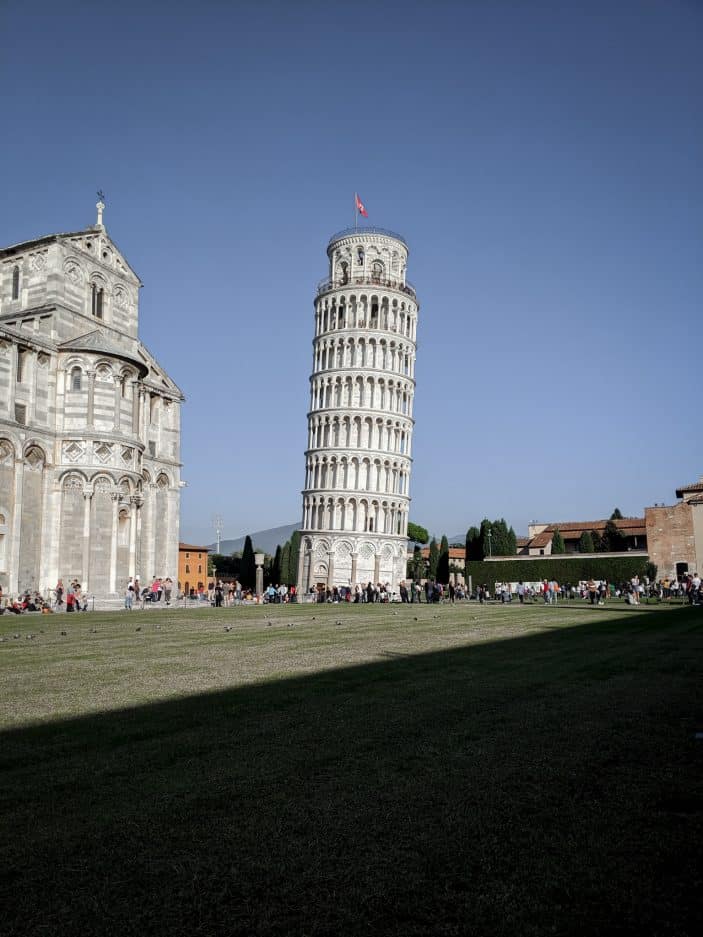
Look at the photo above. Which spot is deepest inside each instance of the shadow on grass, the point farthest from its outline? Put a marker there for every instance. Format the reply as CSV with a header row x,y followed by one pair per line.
x,y
548,784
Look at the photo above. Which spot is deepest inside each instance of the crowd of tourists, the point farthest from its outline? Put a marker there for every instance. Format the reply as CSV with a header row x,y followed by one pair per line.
x,y
158,590
220,594
595,591
70,598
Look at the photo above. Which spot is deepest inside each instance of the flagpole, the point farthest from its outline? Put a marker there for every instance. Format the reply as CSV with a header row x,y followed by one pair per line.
x,y
356,212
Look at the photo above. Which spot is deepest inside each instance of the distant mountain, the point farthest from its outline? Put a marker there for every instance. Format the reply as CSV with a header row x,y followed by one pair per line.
x,y
266,540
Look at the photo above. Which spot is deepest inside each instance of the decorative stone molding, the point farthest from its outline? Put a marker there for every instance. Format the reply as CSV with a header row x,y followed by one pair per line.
x,y
74,272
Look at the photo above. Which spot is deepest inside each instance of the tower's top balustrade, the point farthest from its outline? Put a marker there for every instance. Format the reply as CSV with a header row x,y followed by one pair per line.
x,y
331,283
364,230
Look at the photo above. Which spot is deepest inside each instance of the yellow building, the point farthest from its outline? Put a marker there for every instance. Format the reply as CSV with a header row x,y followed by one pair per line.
x,y
192,567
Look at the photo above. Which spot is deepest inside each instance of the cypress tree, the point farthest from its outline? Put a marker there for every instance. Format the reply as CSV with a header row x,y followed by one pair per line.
x,y
443,562
434,559
247,569
586,542
558,545
486,541
416,566
512,542
616,515
285,563
293,559
276,567
473,544
613,538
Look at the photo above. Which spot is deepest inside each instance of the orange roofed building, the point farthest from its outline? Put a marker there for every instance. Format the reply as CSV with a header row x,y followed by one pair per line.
x,y
192,567
540,536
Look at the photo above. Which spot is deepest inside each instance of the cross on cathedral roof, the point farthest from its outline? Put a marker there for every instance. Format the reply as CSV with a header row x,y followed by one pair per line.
x,y
100,205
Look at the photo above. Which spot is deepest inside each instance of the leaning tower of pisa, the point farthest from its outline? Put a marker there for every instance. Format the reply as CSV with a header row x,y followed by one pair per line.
x,y
358,457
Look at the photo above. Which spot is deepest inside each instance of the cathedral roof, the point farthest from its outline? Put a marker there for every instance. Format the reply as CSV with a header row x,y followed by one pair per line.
x,y
37,242
157,377
67,235
97,340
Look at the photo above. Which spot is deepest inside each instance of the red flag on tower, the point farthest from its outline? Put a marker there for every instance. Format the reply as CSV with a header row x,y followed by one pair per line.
x,y
360,206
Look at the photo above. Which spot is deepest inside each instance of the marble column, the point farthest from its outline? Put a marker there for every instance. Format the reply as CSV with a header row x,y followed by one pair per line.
x,y
87,496
135,407
302,586
14,355
14,545
330,569
135,504
90,419
112,584
119,384
376,568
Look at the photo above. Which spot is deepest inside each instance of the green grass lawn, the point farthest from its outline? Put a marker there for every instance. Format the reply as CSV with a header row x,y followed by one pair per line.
x,y
353,770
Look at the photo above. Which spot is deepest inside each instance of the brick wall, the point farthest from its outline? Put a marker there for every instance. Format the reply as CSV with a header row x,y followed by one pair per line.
x,y
670,537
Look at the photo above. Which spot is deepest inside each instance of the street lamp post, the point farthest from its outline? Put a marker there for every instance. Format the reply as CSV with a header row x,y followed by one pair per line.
x,y
259,560
488,535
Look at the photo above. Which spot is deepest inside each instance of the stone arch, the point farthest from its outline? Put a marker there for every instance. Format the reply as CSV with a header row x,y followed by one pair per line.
x,y
125,486
73,270
366,562
34,456
104,372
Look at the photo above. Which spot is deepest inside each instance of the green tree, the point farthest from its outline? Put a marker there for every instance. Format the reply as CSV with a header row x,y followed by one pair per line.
x,y
614,540
616,515
586,542
416,565
247,570
285,563
293,559
474,549
225,565
558,545
443,561
417,534
434,559
276,567
512,542
486,537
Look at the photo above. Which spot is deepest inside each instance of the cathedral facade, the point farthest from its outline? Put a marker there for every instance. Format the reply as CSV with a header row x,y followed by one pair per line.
x,y
89,422
360,421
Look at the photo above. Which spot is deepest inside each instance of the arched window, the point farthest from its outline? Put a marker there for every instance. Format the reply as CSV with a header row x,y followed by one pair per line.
x,y
376,271
15,282
345,271
97,294
76,377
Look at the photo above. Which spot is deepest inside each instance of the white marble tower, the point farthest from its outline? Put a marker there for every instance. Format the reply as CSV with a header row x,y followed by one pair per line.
x,y
358,459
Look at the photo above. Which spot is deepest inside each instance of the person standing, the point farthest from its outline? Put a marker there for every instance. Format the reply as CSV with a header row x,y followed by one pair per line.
x,y
168,589
129,596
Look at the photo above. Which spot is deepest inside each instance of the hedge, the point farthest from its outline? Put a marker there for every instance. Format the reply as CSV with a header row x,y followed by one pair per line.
x,y
614,569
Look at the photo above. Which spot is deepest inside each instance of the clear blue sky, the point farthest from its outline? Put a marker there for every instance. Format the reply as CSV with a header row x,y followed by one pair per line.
x,y
542,159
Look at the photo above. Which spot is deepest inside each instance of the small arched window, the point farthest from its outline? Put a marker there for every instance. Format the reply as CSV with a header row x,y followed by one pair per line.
x,y
76,377
377,271
15,282
345,271
97,294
